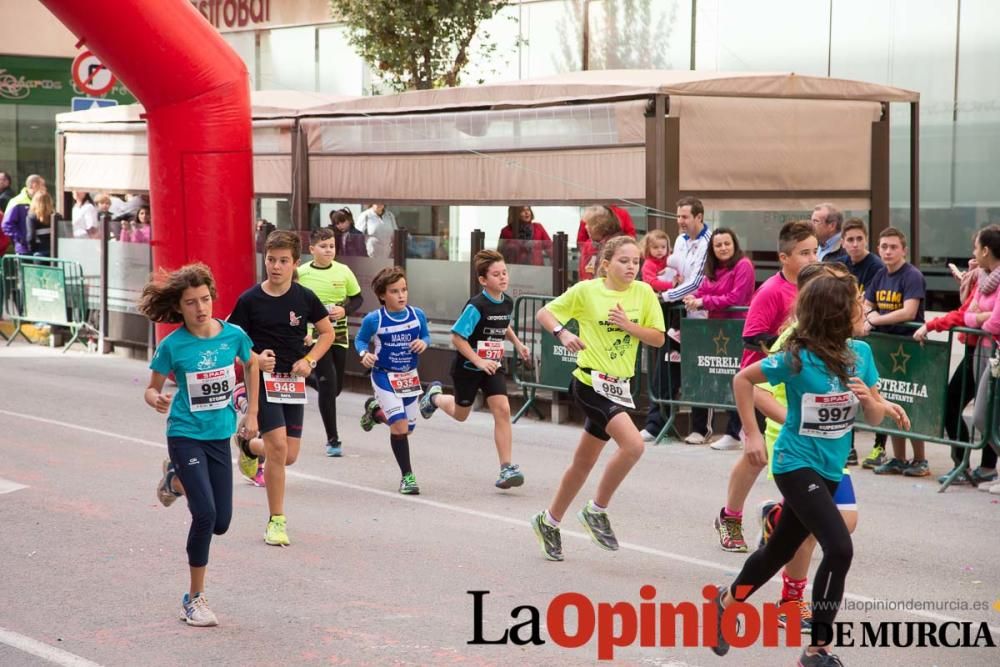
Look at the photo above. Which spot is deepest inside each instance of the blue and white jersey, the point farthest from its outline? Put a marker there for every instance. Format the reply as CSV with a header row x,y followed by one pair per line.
x,y
390,335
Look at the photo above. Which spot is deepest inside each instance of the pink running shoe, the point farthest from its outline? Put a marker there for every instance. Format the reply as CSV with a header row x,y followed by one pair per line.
x,y
258,479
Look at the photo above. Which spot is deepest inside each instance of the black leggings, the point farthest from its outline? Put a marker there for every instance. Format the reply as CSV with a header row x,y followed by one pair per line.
x,y
329,381
961,390
808,508
206,471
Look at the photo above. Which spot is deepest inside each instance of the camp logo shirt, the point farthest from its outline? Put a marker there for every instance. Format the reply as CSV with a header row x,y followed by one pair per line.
x,y
333,285
607,348
793,451
181,353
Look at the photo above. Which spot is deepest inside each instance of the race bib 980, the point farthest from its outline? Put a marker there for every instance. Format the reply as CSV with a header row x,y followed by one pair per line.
x,y
616,390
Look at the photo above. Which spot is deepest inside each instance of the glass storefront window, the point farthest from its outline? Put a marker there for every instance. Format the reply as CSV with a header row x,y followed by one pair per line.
x,y
288,59
341,69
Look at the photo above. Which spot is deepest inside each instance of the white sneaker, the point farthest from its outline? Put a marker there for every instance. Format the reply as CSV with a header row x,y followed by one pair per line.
x,y
196,612
647,436
995,490
695,438
987,487
675,335
726,443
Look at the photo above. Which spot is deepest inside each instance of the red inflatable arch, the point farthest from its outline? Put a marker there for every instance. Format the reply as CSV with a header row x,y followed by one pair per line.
x,y
196,92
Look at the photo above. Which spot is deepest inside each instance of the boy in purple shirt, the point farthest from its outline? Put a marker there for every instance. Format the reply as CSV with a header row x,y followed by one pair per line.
x,y
769,310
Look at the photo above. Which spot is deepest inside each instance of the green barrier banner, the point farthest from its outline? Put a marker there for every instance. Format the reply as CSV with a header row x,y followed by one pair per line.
x,y
556,363
712,350
915,376
44,293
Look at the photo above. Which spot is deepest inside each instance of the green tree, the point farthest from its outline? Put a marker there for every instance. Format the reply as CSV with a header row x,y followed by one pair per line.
x,y
419,44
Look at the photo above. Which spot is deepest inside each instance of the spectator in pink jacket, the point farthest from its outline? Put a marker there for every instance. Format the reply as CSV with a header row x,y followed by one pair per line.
x,y
728,283
729,278
137,230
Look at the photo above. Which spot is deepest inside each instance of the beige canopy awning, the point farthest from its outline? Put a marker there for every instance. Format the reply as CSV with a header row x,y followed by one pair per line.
x,y
106,148
744,141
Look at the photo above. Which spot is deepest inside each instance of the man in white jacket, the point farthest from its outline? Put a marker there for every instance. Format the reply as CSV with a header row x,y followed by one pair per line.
x,y
689,254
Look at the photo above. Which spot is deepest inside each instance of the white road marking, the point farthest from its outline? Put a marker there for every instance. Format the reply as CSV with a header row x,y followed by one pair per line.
x,y
681,558
44,651
7,486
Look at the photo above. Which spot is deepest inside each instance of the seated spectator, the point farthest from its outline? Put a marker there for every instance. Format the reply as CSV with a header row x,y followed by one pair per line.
x,y
655,261
39,224
85,223
262,231
350,240
138,229
602,225
728,283
524,241
624,221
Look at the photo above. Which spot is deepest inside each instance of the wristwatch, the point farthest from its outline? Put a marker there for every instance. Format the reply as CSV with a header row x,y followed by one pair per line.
x,y
310,361
558,330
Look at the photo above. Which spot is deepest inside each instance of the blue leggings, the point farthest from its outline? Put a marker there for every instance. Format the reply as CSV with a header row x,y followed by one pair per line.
x,y
206,471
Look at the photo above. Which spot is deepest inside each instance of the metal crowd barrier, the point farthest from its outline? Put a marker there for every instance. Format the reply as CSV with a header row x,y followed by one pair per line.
x,y
710,354
44,290
914,375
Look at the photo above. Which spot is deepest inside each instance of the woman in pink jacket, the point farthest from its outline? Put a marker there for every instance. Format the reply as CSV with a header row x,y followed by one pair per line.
x,y
984,313
728,283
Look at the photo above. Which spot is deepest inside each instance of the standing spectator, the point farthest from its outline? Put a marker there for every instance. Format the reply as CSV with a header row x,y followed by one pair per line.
x,y
864,266
137,230
827,221
962,385
15,218
39,220
102,202
263,230
6,194
602,226
378,225
728,283
984,313
524,241
349,239
689,255
624,221
894,297
85,223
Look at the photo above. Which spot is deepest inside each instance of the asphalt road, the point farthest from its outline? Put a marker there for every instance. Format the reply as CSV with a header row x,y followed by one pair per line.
x,y
94,567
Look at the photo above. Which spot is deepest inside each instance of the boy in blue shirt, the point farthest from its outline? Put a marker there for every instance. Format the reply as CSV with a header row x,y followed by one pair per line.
x,y
389,343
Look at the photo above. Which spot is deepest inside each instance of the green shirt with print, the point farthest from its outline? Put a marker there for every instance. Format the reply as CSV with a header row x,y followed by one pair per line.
x,y
333,285
607,349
